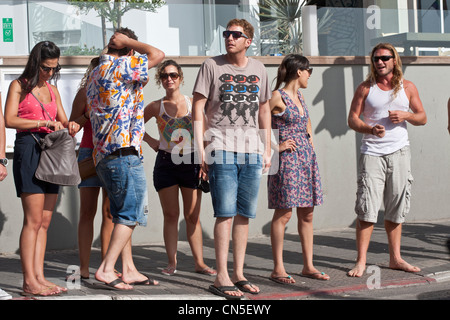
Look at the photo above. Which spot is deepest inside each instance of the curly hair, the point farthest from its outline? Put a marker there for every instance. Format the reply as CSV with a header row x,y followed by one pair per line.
x,y
162,66
397,72
130,34
92,65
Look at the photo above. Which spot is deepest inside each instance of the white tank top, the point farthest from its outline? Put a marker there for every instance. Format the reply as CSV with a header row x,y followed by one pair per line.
x,y
377,105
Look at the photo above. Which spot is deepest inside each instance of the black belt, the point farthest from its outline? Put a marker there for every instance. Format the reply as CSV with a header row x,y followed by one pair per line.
x,y
122,152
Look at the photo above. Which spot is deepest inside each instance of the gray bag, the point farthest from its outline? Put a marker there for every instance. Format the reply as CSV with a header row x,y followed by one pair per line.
x,y
58,163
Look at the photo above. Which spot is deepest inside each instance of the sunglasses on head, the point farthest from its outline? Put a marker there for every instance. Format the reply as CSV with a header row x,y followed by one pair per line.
x,y
235,34
48,69
172,75
382,58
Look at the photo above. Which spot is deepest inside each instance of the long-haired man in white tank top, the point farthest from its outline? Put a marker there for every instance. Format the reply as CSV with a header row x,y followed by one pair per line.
x,y
386,102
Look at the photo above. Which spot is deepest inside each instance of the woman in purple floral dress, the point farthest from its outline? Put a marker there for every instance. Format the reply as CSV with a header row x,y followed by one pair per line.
x,y
296,184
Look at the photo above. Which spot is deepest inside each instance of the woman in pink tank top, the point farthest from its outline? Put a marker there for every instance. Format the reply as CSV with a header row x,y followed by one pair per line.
x,y
27,98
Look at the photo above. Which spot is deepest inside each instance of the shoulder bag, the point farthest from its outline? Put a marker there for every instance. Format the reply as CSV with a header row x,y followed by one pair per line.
x,y
58,161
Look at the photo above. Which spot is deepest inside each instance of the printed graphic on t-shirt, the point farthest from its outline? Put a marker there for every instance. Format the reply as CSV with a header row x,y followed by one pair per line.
x,y
239,99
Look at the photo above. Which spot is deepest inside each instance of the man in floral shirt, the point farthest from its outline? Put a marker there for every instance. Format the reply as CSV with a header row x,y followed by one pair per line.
x,y
115,98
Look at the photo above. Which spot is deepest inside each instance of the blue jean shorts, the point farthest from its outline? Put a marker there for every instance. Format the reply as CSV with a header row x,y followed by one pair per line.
x,y
84,153
234,179
124,180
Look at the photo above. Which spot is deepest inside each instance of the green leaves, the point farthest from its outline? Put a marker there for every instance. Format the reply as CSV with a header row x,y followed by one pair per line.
x,y
113,10
281,25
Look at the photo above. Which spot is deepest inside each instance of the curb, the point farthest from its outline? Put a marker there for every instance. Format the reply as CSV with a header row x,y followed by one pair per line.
x,y
441,276
437,277
429,279
104,297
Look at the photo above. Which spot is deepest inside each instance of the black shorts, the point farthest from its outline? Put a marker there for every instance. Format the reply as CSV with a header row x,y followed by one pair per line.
x,y
27,153
167,174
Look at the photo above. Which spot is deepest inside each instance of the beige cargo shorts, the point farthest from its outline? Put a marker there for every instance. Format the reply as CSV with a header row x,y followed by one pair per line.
x,y
384,180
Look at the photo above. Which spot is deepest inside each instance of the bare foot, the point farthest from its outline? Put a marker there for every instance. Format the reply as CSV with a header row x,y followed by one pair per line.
x,y
403,265
357,271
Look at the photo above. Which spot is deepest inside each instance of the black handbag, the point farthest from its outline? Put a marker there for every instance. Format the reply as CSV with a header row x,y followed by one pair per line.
x,y
203,185
58,162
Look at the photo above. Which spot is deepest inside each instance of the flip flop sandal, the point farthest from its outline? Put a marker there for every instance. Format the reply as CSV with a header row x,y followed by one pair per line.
x,y
279,279
220,291
208,271
169,271
241,285
111,285
316,276
147,282
41,293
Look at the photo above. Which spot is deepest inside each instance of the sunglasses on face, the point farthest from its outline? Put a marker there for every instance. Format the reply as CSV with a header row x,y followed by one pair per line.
x,y
382,58
172,75
48,69
310,70
236,34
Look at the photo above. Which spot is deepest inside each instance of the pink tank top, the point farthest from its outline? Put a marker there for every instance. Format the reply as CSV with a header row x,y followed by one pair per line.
x,y
86,140
30,108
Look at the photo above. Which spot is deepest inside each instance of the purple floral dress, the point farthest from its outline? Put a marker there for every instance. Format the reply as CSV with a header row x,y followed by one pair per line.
x,y
297,181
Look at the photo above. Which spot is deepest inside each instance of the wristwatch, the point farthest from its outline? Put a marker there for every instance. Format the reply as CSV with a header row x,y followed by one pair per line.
x,y
4,162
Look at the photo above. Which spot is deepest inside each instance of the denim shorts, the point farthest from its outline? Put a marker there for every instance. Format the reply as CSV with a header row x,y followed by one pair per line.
x,y
84,153
125,182
234,179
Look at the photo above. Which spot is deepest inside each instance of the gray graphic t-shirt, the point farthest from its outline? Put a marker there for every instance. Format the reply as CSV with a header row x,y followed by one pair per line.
x,y
232,108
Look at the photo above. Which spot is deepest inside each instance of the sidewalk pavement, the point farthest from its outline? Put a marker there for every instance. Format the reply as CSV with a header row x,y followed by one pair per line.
x,y
423,245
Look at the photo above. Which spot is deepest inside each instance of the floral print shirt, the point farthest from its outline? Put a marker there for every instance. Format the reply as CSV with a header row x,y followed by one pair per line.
x,y
116,103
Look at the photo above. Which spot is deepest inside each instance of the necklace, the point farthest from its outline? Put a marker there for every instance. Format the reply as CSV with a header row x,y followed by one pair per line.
x,y
38,88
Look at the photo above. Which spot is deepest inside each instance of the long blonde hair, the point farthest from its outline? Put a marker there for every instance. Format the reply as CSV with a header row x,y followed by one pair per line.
x,y
397,72
94,63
